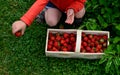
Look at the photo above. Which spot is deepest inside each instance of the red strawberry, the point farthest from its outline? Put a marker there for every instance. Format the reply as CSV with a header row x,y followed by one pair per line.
x,y
50,42
62,41
56,44
96,43
88,49
85,38
64,49
95,37
82,47
69,48
65,35
49,47
67,40
92,40
89,41
54,49
50,34
65,44
83,34
58,38
99,46
72,34
90,36
92,51
18,34
72,39
52,38
105,37
92,44
84,44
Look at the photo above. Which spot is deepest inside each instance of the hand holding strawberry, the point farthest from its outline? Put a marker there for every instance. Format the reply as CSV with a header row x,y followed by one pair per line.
x,y
18,26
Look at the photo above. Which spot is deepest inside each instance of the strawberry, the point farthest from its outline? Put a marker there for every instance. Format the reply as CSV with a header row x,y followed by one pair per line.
x,y
54,49
99,46
18,34
69,48
84,44
49,47
81,47
50,34
72,39
89,41
64,49
52,38
72,34
50,42
95,37
90,36
96,43
88,49
56,44
85,38
65,44
58,37
67,40
92,51
92,44
65,35
62,41
92,40
83,34
105,37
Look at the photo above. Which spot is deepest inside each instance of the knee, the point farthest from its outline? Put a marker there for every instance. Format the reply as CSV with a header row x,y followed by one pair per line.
x,y
80,14
51,22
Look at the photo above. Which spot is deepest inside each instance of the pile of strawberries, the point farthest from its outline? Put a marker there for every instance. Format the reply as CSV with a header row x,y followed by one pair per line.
x,y
61,42
93,43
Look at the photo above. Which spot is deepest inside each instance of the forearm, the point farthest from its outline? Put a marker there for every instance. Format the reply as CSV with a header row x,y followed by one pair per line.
x,y
33,11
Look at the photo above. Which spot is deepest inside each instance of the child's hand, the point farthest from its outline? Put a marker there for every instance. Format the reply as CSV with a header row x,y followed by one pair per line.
x,y
70,16
18,26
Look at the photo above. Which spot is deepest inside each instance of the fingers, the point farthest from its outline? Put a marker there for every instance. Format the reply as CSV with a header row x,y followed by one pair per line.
x,y
18,26
14,29
70,19
70,16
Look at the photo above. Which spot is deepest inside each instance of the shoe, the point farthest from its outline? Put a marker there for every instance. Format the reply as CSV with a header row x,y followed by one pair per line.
x,y
41,17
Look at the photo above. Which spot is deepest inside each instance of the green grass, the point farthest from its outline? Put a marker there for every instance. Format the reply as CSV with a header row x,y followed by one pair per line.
x,y
26,55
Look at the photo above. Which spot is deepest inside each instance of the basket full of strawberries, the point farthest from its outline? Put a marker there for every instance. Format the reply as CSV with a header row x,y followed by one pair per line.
x,y
73,43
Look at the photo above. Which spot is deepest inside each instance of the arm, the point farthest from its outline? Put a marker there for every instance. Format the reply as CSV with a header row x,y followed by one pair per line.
x,y
28,17
34,10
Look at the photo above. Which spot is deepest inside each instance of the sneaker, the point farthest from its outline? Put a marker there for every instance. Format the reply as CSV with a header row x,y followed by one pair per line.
x,y
41,17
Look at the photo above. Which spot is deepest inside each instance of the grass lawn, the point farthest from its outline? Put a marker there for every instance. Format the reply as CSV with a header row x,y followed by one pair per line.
x,y
26,55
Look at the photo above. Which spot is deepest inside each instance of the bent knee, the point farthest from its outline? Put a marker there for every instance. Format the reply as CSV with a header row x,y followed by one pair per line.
x,y
80,14
51,22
